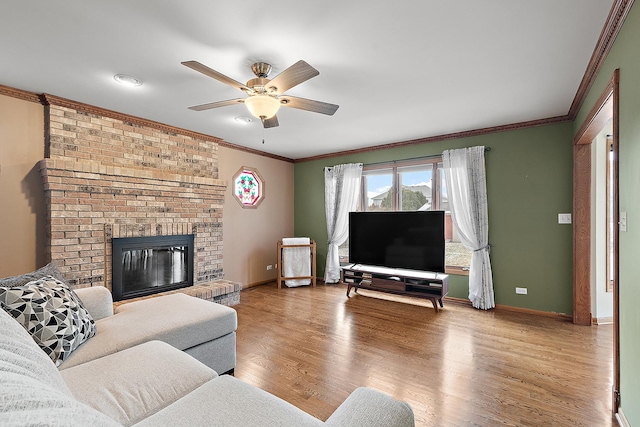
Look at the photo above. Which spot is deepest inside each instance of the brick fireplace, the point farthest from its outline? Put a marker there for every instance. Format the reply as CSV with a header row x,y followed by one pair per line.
x,y
107,175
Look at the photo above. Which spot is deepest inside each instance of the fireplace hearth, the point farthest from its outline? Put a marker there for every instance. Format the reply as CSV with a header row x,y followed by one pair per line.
x,y
148,265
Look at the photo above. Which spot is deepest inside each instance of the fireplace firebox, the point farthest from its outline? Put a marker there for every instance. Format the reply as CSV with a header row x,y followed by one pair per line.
x,y
148,265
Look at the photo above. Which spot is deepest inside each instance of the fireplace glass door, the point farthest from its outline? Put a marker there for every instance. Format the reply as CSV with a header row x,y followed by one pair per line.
x,y
147,265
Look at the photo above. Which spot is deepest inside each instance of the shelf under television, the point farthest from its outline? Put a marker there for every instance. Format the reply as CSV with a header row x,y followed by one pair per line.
x,y
417,283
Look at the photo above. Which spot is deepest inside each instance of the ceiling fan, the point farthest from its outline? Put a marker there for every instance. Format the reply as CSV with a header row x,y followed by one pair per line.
x,y
266,96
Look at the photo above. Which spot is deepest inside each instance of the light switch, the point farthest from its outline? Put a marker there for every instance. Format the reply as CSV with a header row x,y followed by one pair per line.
x,y
623,221
564,218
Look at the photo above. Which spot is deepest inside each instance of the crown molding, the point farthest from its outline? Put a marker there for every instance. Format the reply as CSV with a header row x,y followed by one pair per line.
x,y
600,114
18,93
444,137
619,11
617,15
224,143
48,99
612,26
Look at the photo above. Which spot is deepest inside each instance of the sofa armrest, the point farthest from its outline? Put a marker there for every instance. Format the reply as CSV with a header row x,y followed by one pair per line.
x,y
97,300
371,408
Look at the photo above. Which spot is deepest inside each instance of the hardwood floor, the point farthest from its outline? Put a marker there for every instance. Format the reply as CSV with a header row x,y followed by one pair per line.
x,y
458,367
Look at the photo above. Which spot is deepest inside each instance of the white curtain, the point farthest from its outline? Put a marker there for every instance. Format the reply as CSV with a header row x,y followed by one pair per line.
x,y
341,193
467,190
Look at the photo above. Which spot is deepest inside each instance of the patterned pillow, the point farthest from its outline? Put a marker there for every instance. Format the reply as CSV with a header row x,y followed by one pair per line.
x,y
52,313
21,280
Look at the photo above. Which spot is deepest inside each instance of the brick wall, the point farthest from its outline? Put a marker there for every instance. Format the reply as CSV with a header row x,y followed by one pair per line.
x,y
108,175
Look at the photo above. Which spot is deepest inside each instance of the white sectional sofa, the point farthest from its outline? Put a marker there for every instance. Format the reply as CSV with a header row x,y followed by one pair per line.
x,y
203,329
133,372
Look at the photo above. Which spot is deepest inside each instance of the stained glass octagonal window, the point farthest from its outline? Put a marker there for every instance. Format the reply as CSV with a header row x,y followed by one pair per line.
x,y
248,187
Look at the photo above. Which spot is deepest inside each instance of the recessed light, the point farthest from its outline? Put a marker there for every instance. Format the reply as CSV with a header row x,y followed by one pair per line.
x,y
127,80
243,120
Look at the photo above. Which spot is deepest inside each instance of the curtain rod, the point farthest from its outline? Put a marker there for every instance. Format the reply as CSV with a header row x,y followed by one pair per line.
x,y
486,150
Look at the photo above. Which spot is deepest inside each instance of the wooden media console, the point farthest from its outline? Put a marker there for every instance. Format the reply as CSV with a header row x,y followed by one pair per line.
x,y
415,283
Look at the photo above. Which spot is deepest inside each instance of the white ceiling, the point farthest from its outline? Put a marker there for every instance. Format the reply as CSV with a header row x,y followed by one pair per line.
x,y
400,70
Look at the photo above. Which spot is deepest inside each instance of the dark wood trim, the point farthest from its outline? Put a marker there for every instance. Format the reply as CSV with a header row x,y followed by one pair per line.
x,y
612,26
445,137
223,143
607,107
617,15
260,283
501,307
319,280
18,93
597,118
616,242
91,109
619,11
48,99
582,234
616,18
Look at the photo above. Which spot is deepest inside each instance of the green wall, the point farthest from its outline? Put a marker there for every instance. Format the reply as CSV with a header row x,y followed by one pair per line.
x,y
624,55
529,182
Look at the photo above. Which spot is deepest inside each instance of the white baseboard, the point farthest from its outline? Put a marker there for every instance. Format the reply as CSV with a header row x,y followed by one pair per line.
x,y
602,320
622,420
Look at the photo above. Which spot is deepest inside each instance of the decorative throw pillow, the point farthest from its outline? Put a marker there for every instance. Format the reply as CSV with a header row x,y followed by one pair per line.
x,y
52,313
21,280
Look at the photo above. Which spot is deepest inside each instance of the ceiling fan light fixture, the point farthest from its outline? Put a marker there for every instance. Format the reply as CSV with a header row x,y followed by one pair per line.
x,y
262,106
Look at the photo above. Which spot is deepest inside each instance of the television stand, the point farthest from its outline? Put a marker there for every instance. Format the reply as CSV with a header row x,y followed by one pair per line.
x,y
415,283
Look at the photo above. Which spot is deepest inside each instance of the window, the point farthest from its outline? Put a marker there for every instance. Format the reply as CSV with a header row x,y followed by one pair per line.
x,y
412,185
248,187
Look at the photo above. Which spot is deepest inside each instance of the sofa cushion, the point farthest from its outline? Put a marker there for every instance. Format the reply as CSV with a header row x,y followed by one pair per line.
x,y
177,319
54,316
132,384
367,407
29,402
97,300
48,270
33,391
227,401
20,355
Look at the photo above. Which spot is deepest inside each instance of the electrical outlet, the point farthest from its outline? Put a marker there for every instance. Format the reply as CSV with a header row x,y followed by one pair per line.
x,y
521,291
270,267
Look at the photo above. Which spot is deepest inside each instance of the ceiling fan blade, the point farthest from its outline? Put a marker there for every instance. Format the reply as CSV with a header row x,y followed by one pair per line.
x,y
270,123
195,65
217,104
292,76
308,105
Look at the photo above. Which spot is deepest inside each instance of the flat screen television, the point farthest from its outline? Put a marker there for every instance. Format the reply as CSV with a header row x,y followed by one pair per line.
x,y
410,240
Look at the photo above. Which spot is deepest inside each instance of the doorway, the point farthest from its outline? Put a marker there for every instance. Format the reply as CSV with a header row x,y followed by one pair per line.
x,y
604,110
602,222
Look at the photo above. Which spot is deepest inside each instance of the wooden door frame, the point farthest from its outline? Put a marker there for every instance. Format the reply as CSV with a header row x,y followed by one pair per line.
x,y
606,108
